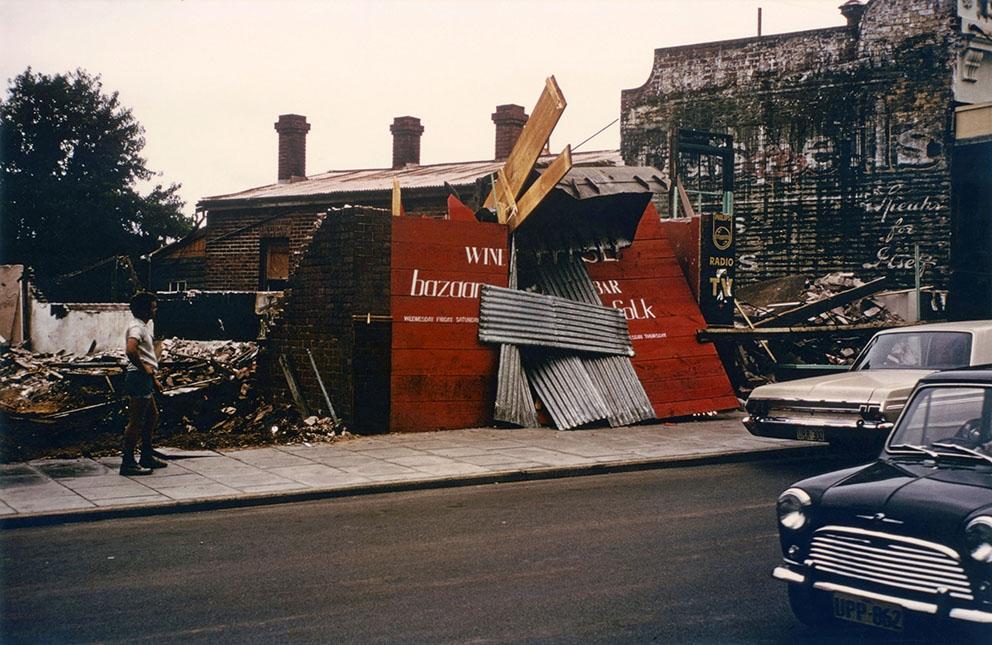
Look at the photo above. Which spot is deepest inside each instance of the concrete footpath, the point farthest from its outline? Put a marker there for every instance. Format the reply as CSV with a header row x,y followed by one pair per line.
x,y
59,490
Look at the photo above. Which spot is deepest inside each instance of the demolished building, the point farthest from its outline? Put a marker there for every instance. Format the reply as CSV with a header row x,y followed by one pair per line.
x,y
573,302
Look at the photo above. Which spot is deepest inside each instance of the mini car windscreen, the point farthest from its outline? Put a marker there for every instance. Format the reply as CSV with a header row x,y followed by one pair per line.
x,y
926,350
954,415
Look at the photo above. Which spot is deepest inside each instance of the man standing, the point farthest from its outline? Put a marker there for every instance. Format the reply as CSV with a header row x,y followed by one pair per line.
x,y
140,385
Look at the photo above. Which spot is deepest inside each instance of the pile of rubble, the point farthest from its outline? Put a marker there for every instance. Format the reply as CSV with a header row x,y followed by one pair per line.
x,y
67,405
841,303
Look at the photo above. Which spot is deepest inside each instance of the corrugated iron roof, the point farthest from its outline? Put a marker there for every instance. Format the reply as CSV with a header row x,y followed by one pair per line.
x,y
462,173
522,318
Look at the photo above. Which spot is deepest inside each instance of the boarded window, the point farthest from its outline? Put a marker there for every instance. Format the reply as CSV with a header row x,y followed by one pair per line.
x,y
275,264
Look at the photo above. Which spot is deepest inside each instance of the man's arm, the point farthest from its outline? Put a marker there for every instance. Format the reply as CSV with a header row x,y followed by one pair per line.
x,y
132,355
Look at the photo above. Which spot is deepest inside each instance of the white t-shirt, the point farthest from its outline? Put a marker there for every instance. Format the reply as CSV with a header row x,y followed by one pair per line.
x,y
145,333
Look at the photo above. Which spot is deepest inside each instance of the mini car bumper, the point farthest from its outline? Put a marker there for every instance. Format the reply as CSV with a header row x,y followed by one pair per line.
x,y
964,614
813,429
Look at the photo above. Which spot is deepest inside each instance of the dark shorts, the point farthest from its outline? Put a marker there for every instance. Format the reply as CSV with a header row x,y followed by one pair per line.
x,y
138,384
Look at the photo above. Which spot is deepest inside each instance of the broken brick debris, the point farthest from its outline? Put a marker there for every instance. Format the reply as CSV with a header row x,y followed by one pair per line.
x,y
851,323
52,404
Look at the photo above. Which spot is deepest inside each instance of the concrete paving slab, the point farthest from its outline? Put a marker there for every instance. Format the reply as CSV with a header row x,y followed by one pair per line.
x,y
119,491
390,452
320,475
198,491
266,457
70,468
145,500
243,481
545,456
451,468
421,460
379,468
14,475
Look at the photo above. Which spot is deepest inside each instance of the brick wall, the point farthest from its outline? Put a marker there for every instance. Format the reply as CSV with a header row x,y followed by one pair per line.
x,y
234,243
841,138
344,272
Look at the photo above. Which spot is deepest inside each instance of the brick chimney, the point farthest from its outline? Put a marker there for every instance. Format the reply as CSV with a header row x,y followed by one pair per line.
x,y
853,10
292,129
406,140
509,120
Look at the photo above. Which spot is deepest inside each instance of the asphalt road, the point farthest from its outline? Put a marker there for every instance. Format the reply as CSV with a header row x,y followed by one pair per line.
x,y
679,555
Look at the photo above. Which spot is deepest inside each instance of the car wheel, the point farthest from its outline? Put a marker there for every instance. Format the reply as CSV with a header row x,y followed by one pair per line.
x,y
808,606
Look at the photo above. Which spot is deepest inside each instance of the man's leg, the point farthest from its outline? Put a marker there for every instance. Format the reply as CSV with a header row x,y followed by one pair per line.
x,y
137,409
150,420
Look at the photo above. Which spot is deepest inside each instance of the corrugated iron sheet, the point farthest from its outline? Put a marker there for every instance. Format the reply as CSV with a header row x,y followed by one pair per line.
x,y
514,402
566,389
523,318
613,376
616,381
381,179
567,279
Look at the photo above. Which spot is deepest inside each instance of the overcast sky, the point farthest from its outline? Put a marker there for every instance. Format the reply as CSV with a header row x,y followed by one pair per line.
x,y
207,78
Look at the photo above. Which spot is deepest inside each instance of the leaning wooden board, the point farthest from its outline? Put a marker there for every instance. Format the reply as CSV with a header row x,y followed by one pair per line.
x,y
441,376
680,375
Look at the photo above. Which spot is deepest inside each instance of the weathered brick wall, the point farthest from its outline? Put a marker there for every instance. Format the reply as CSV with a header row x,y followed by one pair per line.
x,y
343,272
234,241
841,139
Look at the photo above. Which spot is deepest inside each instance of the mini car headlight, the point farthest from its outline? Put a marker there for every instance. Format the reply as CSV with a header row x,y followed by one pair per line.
x,y
978,538
791,507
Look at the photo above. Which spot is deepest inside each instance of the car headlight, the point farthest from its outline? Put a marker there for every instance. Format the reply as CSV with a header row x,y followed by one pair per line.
x,y
791,508
978,538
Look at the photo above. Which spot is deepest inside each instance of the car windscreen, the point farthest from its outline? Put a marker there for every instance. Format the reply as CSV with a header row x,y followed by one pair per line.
x,y
950,414
928,350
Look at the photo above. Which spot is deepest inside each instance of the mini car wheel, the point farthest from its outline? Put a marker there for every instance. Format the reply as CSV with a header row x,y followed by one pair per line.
x,y
808,606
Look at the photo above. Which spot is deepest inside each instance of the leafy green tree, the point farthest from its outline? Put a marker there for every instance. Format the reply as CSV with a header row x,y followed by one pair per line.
x,y
70,162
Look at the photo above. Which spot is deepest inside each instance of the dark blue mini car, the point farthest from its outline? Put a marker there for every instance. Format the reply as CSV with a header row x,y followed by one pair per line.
x,y
908,536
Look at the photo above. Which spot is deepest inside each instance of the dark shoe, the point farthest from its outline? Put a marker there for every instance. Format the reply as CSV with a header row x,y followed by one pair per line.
x,y
131,469
150,460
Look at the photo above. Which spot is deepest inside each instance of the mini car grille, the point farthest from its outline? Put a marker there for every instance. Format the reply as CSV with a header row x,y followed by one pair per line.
x,y
891,560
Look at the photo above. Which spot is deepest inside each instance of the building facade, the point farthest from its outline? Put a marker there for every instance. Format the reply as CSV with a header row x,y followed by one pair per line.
x,y
843,136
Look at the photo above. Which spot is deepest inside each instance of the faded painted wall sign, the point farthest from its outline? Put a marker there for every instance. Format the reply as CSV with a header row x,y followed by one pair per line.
x,y
902,217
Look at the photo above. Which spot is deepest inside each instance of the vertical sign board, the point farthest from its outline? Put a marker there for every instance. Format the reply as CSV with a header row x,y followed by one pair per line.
x,y
680,375
717,251
442,377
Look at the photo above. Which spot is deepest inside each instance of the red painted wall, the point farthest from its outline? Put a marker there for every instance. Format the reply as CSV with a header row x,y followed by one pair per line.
x,y
442,376
680,375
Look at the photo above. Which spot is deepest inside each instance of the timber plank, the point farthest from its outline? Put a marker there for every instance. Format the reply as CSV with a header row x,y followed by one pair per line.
x,y
536,133
540,188
417,229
